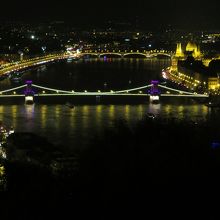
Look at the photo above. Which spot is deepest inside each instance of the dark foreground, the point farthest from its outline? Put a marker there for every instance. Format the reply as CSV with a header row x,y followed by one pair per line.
x,y
157,167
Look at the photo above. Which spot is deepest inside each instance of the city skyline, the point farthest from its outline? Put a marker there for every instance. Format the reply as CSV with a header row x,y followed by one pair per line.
x,y
149,15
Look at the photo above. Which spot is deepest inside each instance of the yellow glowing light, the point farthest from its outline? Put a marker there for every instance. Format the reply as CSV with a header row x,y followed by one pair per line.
x,y
2,170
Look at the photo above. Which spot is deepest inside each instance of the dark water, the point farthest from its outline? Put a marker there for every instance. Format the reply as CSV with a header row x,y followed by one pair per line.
x,y
94,74
75,127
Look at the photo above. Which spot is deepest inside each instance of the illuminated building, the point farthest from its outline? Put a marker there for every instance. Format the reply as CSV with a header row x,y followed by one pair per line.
x,y
178,55
213,83
194,49
174,66
191,48
179,52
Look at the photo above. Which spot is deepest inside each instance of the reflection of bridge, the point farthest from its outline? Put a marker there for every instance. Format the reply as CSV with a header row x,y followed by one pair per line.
x,y
127,53
151,90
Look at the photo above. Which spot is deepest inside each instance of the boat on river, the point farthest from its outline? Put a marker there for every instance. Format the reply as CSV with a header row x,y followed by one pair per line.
x,y
70,105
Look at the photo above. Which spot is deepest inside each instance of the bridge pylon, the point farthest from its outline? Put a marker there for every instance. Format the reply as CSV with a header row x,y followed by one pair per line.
x,y
154,92
29,93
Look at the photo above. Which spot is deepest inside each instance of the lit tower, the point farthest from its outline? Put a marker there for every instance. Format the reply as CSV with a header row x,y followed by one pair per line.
x,y
197,52
179,52
178,55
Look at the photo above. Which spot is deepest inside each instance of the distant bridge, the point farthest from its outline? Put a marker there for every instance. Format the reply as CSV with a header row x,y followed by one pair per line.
x,y
126,53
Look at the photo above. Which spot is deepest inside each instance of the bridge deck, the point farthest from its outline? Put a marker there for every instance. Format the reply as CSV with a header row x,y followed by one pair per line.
x,y
105,94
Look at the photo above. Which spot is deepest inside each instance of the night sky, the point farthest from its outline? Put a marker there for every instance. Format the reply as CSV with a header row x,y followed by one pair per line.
x,y
188,14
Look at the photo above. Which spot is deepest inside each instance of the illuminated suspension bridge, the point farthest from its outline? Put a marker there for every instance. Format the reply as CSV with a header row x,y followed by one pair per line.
x,y
152,90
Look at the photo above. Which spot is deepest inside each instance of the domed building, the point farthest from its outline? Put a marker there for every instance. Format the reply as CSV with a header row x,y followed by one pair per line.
x,y
193,49
191,46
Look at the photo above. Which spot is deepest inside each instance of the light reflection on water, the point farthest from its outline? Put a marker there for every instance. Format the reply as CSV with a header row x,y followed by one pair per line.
x,y
43,116
75,126
3,182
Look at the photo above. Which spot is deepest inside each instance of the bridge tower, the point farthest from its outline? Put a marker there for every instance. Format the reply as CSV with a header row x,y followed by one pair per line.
x,y
154,92
29,93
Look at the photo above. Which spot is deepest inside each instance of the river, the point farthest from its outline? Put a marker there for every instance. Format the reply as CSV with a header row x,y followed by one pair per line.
x,y
75,127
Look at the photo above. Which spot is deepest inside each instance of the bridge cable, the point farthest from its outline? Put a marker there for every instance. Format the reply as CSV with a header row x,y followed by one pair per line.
x,y
50,89
129,90
176,90
8,90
